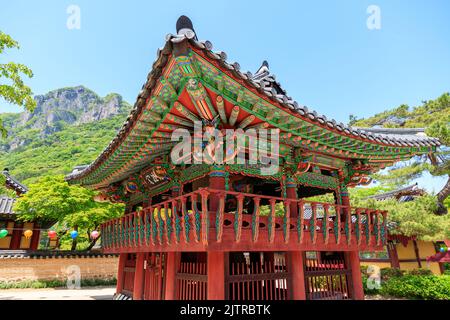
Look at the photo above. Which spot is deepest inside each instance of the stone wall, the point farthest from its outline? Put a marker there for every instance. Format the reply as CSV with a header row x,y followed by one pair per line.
x,y
21,267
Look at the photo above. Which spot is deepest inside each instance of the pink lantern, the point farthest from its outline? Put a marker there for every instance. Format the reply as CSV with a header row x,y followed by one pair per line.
x,y
94,234
51,234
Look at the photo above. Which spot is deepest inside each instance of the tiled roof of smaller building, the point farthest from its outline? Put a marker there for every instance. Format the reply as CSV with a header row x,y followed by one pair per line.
x,y
6,205
13,183
403,194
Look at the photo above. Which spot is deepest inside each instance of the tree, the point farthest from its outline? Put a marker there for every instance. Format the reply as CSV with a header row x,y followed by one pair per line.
x,y
14,90
52,200
434,115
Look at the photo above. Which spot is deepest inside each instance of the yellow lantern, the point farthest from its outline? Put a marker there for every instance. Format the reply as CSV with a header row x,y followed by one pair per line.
x,y
28,234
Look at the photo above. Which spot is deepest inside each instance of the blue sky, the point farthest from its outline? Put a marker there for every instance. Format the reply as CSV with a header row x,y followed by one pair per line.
x,y
321,51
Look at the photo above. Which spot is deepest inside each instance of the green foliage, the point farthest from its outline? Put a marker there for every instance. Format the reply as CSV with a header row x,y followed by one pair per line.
x,y
434,116
59,152
14,90
414,284
412,217
42,284
52,200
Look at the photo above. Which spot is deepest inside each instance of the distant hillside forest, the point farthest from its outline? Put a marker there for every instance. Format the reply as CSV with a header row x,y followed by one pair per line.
x,y
70,127
423,116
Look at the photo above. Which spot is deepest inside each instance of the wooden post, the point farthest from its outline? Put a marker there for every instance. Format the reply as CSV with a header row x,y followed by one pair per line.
x,y
216,275
16,236
356,278
393,256
120,272
216,181
171,272
417,253
138,287
34,244
295,264
291,193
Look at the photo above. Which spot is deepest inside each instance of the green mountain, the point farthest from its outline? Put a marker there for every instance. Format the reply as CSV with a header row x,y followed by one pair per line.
x,y
69,127
423,116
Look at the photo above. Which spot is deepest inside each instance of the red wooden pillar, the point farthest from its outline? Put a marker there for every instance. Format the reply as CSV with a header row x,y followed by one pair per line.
x,y
393,256
296,269
356,278
34,244
216,275
216,181
171,272
291,193
120,272
138,287
16,236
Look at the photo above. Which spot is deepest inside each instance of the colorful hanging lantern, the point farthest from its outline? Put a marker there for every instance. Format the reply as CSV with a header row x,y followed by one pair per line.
x,y
3,233
443,249
51,234
28,234
74,234
94,234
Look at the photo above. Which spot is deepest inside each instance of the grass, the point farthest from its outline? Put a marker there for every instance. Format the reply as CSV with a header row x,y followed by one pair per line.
x,y
42,284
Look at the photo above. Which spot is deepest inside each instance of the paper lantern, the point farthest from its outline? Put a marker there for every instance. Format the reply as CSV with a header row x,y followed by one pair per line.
x,y
51,234
74,234
28,234
442,249
3,233
94,234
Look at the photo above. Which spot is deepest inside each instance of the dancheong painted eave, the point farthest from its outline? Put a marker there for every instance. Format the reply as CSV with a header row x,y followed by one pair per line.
x,y
300,127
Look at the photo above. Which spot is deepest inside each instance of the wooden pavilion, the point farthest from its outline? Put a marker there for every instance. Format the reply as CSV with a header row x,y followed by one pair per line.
x,y
225,230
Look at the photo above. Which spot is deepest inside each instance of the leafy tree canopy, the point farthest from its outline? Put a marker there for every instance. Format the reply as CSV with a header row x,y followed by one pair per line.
x,y
434,116
52,199
13,90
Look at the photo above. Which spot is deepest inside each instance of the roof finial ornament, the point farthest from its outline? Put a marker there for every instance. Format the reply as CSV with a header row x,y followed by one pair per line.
x,y
185,26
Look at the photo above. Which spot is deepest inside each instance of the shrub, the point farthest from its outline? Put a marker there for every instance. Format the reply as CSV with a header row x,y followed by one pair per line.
x,y
414,284
41,284
418,287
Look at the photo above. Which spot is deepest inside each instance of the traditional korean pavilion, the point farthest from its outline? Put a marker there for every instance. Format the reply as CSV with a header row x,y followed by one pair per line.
x,y
227,229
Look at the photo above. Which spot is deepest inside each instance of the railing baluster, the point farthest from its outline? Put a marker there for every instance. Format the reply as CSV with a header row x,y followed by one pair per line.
x,y
348,230
300,221
358,226
167,224
238,218
219,217
287,221
205,217
271,227
255,219
384,233
196,214
368,227
313,223
337,224
326,234
185,220
176,220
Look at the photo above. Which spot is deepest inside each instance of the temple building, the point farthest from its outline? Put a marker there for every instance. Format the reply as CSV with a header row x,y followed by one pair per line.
x,y
405,252
15,238
229,220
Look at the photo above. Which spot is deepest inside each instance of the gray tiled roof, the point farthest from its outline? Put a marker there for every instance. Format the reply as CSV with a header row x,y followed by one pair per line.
x,y
14,183
412,189
6,205
262,81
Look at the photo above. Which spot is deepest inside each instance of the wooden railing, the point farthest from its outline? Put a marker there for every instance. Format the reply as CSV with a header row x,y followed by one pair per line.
x,y
217,218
